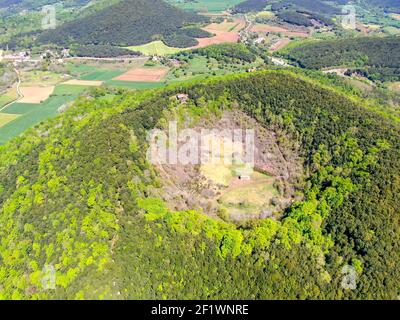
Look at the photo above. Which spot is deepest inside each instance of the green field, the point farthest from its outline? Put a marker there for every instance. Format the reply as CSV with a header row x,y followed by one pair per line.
x,y
27,115
212,6
155,48
135,85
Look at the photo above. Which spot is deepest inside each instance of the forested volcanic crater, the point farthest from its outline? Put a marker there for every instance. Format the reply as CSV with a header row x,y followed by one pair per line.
x,y
77,192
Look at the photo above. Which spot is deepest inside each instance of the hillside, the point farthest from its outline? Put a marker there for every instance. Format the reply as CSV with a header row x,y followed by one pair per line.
x,y
376,57
126,23
77,194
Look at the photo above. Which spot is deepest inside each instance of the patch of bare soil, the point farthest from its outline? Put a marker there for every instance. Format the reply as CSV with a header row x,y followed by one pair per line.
x,y
220,192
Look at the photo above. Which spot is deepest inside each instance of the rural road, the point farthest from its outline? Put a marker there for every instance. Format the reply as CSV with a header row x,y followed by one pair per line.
x,y
19,93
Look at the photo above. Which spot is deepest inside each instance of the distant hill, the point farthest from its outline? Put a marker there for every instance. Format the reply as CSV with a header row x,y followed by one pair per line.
x,y
376,58
390,5
126,23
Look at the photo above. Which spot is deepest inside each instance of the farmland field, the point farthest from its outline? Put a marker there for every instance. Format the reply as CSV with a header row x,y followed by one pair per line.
x,y
6,118
155,48
89,83
102,75
32,114
154,74
35,94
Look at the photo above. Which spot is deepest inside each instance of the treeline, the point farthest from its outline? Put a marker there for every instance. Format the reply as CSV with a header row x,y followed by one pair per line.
x,y
377,58
101,51
126,23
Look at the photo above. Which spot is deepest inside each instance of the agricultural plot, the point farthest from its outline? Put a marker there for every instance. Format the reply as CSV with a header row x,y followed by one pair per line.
x,y
395,16
102,75
89,83
135,85
22,116
36,78
69,90
244,198
8,97
35,94
265,28
154,74
395,86
6,118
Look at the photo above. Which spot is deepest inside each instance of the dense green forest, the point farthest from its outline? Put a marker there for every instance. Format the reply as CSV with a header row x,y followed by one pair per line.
x,y
101,51
77,193
378,58
126,23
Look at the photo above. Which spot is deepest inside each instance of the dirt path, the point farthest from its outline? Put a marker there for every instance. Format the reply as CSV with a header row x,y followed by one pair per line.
x,y
19,93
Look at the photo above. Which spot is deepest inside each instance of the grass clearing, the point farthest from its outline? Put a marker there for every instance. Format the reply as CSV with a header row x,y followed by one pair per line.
x,y
251,197
8,97
88,83
29,114
69,90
